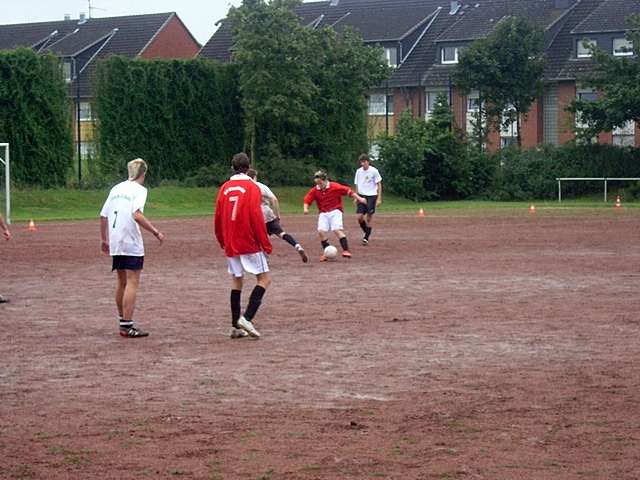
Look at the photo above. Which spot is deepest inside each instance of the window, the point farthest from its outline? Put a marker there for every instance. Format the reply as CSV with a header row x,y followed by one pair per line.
x,y
87,149
509,127
449,55
377,105
374,151
85,112
625,136
391,56
432,100
473,102
66,71
587,96
622,47
583,47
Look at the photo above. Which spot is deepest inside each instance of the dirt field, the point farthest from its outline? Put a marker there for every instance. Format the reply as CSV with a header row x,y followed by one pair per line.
x,y
453,347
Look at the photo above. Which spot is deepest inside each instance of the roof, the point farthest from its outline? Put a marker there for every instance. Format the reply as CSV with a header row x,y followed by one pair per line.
x,y
420,26
95,38
560,61
478,19
610,16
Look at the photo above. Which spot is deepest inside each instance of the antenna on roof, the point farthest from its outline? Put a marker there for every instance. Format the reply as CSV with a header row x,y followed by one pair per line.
x,y
92,8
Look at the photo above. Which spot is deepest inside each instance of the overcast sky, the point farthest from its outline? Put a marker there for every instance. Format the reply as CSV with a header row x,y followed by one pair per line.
x,y
199,16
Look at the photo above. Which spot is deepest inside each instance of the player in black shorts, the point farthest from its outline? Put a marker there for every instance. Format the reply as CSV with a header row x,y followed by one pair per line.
x,y
369,186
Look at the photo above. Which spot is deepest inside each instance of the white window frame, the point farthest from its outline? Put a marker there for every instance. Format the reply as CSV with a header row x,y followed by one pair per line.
x,y
625,136
84,107
623,43
581,51
381,105
67,71
388,54
430,97
456,54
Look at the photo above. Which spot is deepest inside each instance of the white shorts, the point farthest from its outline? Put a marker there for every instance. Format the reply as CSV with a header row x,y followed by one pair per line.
x,y
254,263
329,221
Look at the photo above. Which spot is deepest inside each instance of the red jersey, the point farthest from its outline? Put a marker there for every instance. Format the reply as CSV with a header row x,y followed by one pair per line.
x,y
238,221
329,198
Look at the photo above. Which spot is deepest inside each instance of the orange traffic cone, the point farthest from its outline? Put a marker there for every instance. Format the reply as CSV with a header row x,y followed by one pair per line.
x,y
532,209
421,212
618,202
32,226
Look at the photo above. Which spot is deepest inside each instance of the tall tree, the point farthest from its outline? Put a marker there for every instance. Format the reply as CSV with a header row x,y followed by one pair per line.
x,y
302,88
617,79
506,69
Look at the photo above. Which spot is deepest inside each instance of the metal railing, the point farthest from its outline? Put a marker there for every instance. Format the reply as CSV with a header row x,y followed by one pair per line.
x,y
601,179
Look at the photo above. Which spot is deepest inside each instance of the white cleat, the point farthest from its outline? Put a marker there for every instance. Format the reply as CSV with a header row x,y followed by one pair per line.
x,y
248,327
238,333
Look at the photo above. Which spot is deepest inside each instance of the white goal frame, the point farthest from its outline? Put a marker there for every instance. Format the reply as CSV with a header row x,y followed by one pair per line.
x,y
4,159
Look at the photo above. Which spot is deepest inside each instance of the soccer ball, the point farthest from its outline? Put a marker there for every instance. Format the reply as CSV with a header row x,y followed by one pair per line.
x,y
330,252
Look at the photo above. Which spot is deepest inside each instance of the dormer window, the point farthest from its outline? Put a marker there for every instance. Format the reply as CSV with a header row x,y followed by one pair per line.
x,y
622,47
391,56
67,71
583,48
449,55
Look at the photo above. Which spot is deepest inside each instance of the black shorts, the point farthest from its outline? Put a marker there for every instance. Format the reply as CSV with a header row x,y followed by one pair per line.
x,y
274,228
126,262
370,207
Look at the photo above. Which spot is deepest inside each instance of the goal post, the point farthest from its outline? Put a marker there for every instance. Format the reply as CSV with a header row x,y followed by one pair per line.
x,y
5,163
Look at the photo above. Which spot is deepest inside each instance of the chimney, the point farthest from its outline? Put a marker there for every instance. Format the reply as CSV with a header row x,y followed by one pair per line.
x,y
67,17
83,18
454,7
334,3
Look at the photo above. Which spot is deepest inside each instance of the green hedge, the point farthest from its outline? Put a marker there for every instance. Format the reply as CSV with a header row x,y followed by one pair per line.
x,y
182,116
35,118
532,173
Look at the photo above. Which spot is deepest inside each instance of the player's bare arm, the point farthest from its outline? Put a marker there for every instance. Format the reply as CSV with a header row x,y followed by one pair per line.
x,y
104,235
305,208
358,198
147,225
275,206
379,199
5,229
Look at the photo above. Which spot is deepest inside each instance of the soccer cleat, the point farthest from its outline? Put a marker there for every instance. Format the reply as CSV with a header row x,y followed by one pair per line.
x,y
248,327
346,254
132,332
3,299
302,254
323,258
238,333
365,241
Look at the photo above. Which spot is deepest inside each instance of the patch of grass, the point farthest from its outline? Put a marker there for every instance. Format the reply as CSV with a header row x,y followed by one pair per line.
x,y
266,475
171,201
176,472
23,472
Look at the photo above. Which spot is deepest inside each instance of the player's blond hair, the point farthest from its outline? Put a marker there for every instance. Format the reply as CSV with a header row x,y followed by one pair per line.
x,y
136,169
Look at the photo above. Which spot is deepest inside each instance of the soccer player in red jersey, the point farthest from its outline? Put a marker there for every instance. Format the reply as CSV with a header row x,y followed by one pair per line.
x,y
328,196
240,230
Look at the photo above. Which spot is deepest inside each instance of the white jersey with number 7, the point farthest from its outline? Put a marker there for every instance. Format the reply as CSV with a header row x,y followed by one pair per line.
x,y
124,233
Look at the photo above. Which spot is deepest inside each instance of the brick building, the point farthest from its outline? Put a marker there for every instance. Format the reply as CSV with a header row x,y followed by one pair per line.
x,y
422,40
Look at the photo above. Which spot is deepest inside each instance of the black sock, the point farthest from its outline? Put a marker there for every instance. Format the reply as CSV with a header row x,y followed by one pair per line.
x,y
363,226
325,244
367,233
235,307
126,323
254,302
344,244
289,239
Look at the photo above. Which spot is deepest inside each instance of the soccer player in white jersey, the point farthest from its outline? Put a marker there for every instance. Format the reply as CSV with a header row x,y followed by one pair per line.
x,y
369,186
7,236
271,212
120,221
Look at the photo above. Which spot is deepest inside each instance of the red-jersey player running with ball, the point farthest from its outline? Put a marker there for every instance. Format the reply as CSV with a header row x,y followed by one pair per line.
x,y
328,196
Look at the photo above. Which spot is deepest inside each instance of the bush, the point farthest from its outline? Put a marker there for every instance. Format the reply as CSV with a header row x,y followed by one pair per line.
x,y
532,173
35,118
